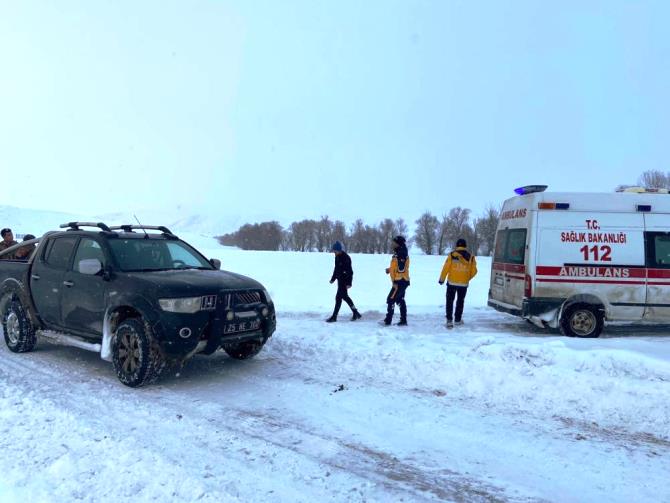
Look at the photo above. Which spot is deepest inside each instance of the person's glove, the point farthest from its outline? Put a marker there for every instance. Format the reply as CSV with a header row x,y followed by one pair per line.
x,y
332,281
441,282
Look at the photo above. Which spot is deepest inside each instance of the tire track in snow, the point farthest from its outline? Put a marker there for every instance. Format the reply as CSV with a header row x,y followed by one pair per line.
x,y
384,470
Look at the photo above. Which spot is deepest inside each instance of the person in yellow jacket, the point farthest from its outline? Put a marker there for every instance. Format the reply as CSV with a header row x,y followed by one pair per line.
x,y
459,268
399,272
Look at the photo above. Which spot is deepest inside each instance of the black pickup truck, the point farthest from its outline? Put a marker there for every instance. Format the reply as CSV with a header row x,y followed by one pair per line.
x,y
143,299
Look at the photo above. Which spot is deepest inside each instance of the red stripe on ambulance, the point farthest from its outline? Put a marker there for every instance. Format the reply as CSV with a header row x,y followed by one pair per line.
x,y
591,281
585,271
615,275
501,266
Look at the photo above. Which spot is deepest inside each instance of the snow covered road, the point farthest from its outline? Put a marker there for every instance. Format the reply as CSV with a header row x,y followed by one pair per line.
x,y
497,411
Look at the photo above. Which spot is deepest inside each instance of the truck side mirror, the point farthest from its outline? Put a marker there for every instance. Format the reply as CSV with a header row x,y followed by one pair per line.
x,y
90,266
216,263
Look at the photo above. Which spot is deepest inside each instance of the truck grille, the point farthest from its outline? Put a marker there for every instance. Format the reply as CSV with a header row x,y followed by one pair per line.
x,y
245,298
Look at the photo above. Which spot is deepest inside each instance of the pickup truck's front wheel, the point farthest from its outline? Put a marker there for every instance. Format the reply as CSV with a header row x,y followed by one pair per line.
x,y
19,332
244,350
137,357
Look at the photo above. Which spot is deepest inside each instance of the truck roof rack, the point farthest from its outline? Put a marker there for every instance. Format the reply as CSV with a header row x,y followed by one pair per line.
x,y
131,228
75,226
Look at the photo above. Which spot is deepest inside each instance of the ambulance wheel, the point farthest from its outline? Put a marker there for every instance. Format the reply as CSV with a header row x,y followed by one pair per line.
x,y
582,320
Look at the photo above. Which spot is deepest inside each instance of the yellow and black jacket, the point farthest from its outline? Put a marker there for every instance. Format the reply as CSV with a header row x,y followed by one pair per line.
x,y
460,267
399,270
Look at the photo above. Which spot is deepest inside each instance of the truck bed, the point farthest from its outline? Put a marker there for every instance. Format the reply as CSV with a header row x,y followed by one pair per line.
x,y
14,269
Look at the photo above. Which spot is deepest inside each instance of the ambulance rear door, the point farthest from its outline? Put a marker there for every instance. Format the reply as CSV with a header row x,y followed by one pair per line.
x,y
657,243
511,253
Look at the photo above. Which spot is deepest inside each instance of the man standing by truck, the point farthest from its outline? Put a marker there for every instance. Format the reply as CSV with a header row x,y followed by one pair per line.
x,y
460,267
399,272
7,241
344,275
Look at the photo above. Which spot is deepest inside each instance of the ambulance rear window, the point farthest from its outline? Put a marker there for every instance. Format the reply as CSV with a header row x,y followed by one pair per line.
x,y
510,246
501,243
516,246
661,251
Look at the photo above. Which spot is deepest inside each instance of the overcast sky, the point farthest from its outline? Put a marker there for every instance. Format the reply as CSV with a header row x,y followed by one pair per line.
x,y
292,109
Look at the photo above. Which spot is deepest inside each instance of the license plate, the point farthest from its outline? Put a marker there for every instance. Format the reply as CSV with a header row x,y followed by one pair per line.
x,y
244,326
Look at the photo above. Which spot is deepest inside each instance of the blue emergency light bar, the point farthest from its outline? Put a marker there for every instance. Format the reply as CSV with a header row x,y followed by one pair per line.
x,y
530,189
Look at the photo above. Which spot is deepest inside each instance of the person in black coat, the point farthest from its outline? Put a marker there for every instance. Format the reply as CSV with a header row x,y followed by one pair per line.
x,y
344,275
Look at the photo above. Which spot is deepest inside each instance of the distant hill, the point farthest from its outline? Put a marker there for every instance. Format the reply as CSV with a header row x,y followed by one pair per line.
x,y
197,230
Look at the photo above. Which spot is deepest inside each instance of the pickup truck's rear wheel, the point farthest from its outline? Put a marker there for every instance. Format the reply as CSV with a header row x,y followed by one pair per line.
x,y
582,320
19,331
137,357
244,350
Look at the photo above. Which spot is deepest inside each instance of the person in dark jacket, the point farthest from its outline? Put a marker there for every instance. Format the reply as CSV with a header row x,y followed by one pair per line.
x,y
7,242
344,275
399,272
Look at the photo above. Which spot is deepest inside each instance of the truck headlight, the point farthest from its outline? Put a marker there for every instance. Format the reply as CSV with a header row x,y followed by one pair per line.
x,y
183,305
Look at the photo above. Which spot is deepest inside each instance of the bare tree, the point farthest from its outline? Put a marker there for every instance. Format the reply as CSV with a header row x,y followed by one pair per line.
x,y
486,227
471,238
452,228
370,239
324,234
356,237
401,229
654,179
302,235
263,236
388,229
425,236
286,241
340,233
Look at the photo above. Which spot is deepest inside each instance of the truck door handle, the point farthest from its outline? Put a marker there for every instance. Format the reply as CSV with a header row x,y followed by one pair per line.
x,y
68,283
36,277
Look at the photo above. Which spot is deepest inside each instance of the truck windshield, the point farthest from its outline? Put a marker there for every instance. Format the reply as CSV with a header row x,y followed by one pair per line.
x,y
155,255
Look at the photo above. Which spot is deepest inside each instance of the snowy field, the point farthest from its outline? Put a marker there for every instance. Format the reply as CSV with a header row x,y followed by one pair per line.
x,y
497,410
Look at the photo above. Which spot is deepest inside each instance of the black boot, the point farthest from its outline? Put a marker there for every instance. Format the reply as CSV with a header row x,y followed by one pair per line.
x,y
403,314
356,316
332,319
389,315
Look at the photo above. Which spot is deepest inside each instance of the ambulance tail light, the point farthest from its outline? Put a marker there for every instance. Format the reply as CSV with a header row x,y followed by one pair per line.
x,y
528,287
553,206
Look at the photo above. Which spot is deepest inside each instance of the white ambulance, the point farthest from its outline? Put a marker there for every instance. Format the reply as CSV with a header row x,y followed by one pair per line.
x,y
573,260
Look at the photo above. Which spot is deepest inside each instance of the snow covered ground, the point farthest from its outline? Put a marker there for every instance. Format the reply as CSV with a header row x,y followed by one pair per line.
x,y
497,410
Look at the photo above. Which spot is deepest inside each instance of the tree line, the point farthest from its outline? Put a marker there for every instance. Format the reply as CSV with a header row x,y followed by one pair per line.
x,y
652,179
432,235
